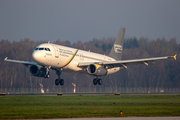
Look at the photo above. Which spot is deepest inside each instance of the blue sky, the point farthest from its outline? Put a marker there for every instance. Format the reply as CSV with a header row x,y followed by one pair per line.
x,y
84,20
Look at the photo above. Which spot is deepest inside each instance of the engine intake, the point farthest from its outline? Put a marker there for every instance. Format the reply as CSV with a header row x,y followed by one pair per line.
x,y
96,70
37,70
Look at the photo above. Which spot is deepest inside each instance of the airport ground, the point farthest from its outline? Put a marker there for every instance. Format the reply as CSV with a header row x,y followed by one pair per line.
x,y
125,118
88,105
88,93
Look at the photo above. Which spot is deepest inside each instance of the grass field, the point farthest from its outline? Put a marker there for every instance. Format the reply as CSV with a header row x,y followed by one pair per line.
x,y
29,107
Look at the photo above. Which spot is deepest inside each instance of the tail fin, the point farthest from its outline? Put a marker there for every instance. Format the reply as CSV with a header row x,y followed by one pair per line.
x,y
116,51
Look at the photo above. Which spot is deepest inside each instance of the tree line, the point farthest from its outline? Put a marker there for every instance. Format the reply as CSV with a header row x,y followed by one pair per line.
x,y
161,74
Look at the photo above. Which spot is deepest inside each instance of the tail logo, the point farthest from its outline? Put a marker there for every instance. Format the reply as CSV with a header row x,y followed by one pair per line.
x,y
117,48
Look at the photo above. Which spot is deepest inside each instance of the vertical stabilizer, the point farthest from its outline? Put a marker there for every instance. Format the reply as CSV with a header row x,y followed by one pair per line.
x,y
116,51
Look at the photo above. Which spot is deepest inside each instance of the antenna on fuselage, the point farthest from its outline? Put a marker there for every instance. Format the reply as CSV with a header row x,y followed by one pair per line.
x,y
48,42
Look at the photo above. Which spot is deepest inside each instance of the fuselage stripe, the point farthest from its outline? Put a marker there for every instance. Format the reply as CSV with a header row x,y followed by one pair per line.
x,y
74,54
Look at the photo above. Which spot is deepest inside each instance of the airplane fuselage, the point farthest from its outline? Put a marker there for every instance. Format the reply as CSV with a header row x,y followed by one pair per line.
x,y
67,58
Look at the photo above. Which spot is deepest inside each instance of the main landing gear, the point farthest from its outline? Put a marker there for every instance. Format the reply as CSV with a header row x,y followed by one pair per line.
x,y
97,81
59,80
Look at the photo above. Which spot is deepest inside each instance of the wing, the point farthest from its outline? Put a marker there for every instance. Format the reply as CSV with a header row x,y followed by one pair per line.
x,y
125,63
26,63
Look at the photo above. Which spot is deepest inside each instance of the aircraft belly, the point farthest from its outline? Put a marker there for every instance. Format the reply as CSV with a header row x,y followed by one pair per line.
x,y
73,66
113,70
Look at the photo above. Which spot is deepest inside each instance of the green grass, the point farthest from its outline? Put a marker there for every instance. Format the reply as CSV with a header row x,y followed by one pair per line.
x,y
30,107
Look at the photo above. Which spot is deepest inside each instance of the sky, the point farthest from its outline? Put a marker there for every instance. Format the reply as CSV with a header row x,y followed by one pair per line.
x,y
83,20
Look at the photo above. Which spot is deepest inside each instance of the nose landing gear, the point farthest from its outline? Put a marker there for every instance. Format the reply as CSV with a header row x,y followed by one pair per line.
x,y
47,72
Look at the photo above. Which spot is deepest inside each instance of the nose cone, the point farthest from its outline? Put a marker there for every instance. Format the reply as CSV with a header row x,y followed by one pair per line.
x,y
36,56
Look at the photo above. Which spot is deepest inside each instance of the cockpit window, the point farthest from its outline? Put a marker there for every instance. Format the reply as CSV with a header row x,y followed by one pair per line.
x,y
41,48
47,49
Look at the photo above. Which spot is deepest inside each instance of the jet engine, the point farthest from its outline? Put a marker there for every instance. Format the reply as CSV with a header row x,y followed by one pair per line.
x,y
96,70
37,70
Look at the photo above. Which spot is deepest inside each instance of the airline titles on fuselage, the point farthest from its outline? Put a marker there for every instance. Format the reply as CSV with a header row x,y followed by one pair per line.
x,y
65,53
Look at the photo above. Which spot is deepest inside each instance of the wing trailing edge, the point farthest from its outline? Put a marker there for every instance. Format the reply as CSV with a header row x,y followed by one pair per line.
x,y
125,63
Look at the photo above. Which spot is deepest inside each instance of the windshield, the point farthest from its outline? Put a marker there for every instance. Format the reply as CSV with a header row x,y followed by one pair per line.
x,y
46,49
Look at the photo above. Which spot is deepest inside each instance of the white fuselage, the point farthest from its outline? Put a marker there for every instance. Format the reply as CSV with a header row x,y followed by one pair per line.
x,y
67,58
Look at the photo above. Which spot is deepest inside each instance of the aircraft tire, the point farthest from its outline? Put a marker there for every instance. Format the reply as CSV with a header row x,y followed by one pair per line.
x,y
99,81
61,82
95,81
57,82
46,76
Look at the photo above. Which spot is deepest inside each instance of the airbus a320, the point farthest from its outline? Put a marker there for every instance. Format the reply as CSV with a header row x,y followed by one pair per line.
x,y
66,59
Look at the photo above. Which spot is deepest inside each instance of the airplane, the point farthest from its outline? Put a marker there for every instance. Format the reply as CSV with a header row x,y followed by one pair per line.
x,y
66,59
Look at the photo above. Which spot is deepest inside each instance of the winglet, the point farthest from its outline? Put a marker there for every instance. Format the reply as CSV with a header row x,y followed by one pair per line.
x,y
175,56
5,58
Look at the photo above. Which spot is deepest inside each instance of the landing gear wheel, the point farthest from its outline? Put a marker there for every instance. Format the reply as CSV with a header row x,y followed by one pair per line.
x,y
99,81
61,82
95,81
46,76
57,82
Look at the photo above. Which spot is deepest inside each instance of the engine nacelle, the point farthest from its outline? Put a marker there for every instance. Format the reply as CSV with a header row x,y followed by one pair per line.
x,y
37,70
97,70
